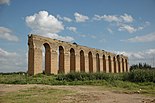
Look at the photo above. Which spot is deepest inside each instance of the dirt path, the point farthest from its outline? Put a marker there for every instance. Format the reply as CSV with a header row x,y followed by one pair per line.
x,y
86,94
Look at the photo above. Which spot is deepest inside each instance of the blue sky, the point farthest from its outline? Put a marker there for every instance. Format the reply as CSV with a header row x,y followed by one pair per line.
x,y
122,26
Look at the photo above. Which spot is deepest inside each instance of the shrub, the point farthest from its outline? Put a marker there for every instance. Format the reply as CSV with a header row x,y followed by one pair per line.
x,y
140,75
76,76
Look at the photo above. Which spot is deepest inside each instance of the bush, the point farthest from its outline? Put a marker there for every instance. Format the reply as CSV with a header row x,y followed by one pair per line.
x,y
140,75
88,76
140,66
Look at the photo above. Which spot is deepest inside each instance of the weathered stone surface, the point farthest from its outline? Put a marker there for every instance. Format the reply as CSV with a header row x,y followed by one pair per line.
x,y
65,57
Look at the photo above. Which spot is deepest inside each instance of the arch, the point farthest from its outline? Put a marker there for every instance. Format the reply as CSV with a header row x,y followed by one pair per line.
x,y
90,57
122,65
114,60
104,63
82,61
61,60
97,62
72,60
47,59
109,60
119,66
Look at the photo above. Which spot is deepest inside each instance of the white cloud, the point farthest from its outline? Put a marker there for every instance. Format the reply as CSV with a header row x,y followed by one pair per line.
x,y
5,2
97,17
93,36
64,18
80,17
83,35
44,22
47,25
5,54
56,36
123,22
111,18
127,18
6,34
115,18
145,56
145,38
12,61
110,30
73,29
127,28
67,19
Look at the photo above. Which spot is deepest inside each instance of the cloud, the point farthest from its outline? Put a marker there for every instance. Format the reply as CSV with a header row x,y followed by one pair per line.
x,y
73,29
145,38
47,25
67,19
110,18
80,17
88,36
83,35
127,18
115,18
93,36
5,2
127,28
44,22
56,36
64,18
145,56
7,34
12,61
123,22
110,30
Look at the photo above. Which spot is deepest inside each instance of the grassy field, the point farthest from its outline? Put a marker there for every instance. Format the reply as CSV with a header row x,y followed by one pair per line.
x,y
143,80
34,95
135,82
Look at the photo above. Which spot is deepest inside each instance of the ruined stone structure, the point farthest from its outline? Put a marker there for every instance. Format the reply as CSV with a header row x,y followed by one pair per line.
x,y
64,57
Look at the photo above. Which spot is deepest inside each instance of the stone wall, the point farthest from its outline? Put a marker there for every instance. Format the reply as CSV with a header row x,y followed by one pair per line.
x,y
65,57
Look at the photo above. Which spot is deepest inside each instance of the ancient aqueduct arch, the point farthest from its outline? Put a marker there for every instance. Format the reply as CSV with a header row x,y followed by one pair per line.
x,y
64,57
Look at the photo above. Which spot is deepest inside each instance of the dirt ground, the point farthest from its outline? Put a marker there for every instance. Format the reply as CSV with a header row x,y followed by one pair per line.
x,y
86,94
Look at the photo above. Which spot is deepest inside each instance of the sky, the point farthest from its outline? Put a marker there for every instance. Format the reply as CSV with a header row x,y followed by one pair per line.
x,y
120,26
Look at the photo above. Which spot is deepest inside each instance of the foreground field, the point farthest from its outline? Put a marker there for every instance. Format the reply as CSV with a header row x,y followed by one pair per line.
x,y
137,86
37,93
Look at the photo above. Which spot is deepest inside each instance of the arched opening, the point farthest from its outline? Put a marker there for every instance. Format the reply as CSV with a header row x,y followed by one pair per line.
x,y
119,66
97,62
109,60
82,61
104,63
122,64
126,65
90,57
61,60
72,60
46,58
114,60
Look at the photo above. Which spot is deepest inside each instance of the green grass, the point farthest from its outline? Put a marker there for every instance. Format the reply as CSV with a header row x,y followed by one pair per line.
x,y
35,95
143,80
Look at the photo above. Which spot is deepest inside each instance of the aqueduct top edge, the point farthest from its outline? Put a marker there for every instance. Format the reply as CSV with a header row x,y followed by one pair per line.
x,y
40,39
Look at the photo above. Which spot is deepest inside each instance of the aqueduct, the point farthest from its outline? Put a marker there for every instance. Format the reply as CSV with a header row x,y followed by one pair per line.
x,y
65,57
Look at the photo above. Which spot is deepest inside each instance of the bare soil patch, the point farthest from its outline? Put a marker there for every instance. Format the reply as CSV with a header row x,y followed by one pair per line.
x,y
84,94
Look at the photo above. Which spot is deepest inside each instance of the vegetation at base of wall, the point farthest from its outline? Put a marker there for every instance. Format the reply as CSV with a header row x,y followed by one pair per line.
x,y
133,81
137,75
77,76
140,75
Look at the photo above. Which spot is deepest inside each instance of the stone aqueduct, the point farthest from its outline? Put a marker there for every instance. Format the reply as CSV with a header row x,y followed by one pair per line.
x,y
64,57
